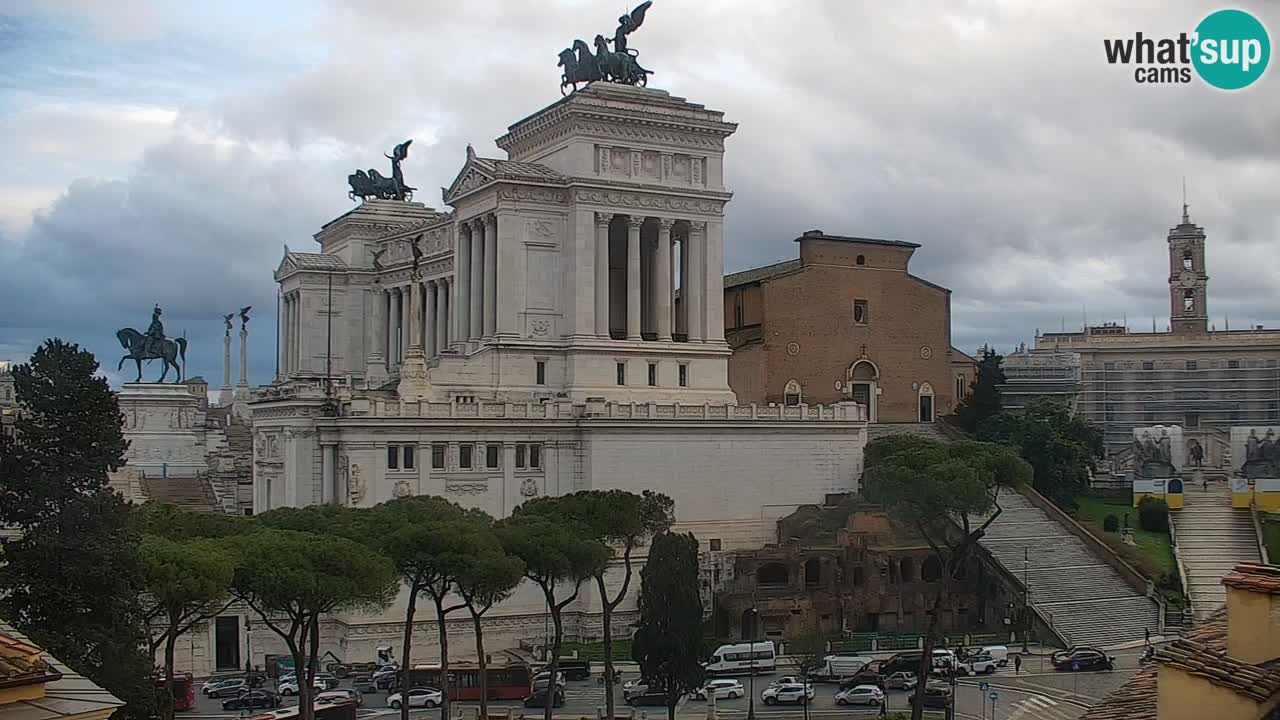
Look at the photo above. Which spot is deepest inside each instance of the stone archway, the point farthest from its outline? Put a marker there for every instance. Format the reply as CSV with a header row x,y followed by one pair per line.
x,y
863,380
928,410
792,394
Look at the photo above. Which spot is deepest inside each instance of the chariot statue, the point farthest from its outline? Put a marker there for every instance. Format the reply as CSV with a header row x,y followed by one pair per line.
x,y
619,65
153,345
373,184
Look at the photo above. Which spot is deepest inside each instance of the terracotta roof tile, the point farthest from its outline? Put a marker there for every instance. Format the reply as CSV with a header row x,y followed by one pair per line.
x,y
1203,652
1258,578
1134,700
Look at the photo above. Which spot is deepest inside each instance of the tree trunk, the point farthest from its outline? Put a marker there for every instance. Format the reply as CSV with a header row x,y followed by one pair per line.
x,y
606,616
554,667
409,613
170,643
298,650
926,659
444,657
484,665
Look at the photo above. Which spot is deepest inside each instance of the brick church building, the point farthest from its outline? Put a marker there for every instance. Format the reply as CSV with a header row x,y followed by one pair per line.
x,y
846,320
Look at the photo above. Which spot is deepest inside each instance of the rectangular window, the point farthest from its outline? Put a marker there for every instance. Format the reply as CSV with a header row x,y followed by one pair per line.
x,y
860,312
520,452
464,456
1233,364
715,544
622,373
684,375
653,374
1109,366
491,455
437,456
393,457
542,373
408,457
535,456
1191,364
1193,420
1148,365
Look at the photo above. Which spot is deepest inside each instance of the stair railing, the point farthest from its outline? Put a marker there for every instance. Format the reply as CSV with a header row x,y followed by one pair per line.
x,y
1182,572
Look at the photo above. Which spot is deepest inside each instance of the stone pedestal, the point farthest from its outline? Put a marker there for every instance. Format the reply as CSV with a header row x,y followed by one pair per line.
x,y
414,381
165,429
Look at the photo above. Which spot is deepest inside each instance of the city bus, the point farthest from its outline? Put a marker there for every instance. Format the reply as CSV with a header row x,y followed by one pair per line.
x,y
184,697
506,681
743,658
328,711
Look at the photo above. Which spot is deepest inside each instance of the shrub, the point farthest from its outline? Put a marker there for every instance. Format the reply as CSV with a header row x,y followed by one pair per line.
x,y
1111,523
1153,515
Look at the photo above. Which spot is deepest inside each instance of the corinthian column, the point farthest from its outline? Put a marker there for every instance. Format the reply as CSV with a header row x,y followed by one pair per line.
x,y
442,314
490,275
602,273
462,274
633,277
476,328
429,321
662,271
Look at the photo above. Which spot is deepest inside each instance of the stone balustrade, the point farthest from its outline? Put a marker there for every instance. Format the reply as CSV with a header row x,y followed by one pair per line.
x,y
602,410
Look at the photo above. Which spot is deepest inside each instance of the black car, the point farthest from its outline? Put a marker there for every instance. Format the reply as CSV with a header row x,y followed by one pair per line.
x,y
935,696
656,698
253,700
910,662
866,677
1083,659
575,669
539,698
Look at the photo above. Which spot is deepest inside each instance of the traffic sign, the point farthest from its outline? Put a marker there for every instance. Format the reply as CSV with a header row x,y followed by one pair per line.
x,y
984,686
994,696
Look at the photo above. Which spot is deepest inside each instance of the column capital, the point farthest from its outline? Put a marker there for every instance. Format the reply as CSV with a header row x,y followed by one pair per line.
x,y
698,226
635,221
489,220
477,224
665,223
603,219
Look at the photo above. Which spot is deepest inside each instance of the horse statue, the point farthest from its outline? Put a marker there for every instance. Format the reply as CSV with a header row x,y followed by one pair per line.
x,y
374,184
619,67
169,350
580,66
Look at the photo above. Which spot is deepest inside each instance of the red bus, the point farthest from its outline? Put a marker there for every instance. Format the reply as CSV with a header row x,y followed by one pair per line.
x,y
328,711
506,681
184,698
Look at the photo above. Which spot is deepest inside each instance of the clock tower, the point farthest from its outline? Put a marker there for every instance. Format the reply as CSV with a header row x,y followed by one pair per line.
x,y
1188,283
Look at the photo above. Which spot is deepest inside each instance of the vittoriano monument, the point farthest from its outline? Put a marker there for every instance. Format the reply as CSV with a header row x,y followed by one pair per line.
x,y
618,65
153,346
373,185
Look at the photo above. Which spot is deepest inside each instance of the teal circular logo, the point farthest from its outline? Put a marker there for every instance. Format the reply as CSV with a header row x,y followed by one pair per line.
x,y
1231,49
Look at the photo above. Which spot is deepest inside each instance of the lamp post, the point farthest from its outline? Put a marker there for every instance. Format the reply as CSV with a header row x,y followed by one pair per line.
x,y
1026,590
751,644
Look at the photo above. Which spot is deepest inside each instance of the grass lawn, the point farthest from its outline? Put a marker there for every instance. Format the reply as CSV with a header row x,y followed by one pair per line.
x,y
1271,535
1154,550
595,651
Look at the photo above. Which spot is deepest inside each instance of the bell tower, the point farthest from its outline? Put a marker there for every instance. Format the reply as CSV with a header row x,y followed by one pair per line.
x,y
1188,283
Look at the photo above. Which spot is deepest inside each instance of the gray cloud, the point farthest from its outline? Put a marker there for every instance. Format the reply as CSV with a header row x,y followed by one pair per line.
x,y
1040,180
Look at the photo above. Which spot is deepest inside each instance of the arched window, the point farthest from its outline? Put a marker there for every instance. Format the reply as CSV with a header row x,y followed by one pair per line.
x,y
906,570
926,403
931,569
773,574
791,394
812,572
862,260
1187,263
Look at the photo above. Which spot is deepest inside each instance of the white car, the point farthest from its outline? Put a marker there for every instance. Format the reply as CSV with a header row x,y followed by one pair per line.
x,y
290,686
977,665
860,695
634,687
787,680
726,688
418,697
797,693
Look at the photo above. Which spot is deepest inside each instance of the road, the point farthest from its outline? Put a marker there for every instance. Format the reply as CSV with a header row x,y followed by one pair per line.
x,y
1037,693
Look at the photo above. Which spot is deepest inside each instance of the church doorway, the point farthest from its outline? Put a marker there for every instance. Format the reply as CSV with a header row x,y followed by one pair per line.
x,y
863,377
926,403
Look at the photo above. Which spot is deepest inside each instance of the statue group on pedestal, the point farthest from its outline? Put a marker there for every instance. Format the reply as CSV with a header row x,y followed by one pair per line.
x,y
373,184
1153,458
619,65
1261,455
153,345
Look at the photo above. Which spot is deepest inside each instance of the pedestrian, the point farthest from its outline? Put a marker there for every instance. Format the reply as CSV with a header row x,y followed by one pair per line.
x,y
1146,634
1017,664
884,707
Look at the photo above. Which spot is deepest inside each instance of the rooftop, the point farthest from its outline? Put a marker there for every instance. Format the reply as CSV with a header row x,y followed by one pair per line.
x,y
67,694
820,235
316,261
1258,578
746,277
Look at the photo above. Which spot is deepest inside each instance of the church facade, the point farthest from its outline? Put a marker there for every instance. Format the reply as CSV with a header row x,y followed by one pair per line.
x,y
527,342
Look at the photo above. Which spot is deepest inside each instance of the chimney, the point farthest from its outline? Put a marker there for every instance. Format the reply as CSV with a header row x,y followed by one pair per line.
x,y
1253,600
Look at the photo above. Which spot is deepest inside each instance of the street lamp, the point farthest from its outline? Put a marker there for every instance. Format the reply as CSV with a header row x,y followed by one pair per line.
x,y
751,645
1026,590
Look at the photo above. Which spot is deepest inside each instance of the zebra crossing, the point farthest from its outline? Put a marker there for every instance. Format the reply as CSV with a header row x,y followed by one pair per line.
x,y
1039,707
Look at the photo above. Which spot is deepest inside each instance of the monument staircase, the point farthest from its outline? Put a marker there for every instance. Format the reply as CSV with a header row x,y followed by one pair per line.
x,y
191,492
1212,537
1075,590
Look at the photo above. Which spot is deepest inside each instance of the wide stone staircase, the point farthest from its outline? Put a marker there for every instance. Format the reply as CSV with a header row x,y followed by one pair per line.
x,y
189,492
1212,537
1081,596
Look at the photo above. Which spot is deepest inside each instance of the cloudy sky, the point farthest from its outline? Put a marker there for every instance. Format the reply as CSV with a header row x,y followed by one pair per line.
x,y
165,152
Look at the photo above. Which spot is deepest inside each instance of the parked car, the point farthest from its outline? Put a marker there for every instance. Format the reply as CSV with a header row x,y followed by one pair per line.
x,y
901,680
860,695
724,688
416,697
866,677
800,694
787,680
228,688
340,695
936,696
632,687
253,700
655,698
1083,659
539,697
329,680
976,665
290,686
364,683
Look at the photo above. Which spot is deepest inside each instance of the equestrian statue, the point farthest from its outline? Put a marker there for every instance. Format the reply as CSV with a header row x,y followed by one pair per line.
x,y
153,345
619,65
372,184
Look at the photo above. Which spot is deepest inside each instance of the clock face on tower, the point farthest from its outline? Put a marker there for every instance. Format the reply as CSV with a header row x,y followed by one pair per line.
x,y
1187,279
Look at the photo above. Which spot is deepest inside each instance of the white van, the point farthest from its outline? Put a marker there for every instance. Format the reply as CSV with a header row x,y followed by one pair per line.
x,y
842,666
743,658
999,653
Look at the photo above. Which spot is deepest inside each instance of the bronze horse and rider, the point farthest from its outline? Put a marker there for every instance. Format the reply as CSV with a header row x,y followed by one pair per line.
x,y
619,65
153,345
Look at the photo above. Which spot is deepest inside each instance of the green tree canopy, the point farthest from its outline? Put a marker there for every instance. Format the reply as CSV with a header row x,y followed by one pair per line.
x,y
489,578
668,643
1063,449
983,399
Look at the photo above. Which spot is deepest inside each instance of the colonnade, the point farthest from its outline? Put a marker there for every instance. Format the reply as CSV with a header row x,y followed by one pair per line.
x,y
410,317
662,256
